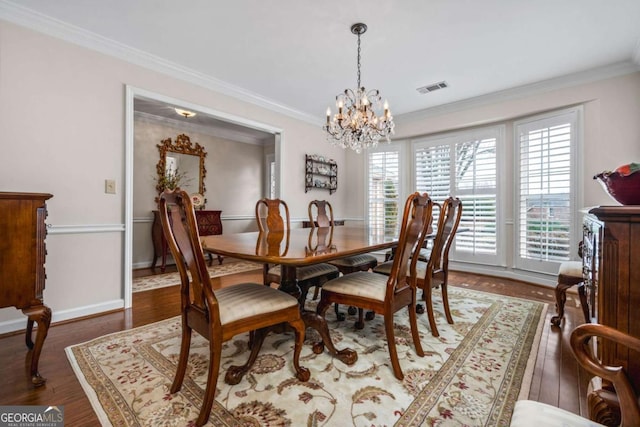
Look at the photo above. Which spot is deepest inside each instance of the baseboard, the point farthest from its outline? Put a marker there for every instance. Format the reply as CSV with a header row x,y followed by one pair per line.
x,y
62,315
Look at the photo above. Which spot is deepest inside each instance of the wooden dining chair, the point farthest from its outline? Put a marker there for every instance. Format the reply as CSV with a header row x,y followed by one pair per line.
x,y
218,315
433,262
346,265
324,218
276,219
388,294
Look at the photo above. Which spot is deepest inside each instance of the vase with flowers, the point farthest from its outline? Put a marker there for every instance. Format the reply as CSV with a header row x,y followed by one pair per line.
x,y
171,180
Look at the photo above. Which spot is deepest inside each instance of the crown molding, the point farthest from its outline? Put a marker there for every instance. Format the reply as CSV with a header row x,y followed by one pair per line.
x,y
566,81
39,22
207,130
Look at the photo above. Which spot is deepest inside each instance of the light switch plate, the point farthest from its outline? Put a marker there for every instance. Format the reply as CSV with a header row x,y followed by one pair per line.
x,y
110,186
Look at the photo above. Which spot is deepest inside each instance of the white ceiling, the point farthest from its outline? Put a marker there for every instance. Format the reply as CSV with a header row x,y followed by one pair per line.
x,y
300,54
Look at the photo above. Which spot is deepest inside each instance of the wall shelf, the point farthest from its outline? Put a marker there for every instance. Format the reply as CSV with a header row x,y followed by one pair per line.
x,y
320,173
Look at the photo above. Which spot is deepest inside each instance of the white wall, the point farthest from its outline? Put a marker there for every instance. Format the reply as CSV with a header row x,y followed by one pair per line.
x,y
62,116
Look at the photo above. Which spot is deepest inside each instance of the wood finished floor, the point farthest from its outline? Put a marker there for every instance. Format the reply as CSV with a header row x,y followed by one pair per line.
x,y
557,379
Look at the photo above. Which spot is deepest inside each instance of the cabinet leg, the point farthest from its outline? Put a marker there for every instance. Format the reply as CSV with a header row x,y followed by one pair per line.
x,y
582,292
42,316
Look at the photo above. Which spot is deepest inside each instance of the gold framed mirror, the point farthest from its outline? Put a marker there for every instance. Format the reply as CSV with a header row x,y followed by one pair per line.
x,y
181,165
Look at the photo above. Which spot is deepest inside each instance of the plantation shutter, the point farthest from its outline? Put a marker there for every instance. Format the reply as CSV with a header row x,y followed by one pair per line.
x,y
464,165
384,191
433,173
476,186
545,201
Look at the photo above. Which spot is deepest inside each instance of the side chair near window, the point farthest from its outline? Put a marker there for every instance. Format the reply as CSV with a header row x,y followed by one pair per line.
x,y
307,276
433,265
387,294
602,402
570,274
346,265
221,314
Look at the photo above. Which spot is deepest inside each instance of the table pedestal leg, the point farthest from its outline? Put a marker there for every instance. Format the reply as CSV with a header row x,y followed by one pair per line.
x,y
289,284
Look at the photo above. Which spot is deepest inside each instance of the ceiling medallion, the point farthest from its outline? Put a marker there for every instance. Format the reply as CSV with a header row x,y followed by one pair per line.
x,y
362,119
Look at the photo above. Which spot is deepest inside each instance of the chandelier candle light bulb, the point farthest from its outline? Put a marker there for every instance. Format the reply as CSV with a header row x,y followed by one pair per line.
x,y
362,119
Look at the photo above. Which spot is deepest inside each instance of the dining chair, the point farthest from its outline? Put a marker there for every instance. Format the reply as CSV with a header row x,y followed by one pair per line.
x,y
528,413
433,262
348,264
220,314
384,294
345,265
277,219
571,274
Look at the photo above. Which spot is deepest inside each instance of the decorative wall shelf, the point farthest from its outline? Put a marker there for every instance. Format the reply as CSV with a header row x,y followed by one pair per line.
x,y
320,173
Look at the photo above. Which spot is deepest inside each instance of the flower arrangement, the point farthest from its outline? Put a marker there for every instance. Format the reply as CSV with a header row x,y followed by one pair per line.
x,y
172,179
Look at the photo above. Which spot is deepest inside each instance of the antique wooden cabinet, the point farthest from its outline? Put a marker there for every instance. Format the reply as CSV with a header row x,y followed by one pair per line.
x,y
22,270
209,223
613,270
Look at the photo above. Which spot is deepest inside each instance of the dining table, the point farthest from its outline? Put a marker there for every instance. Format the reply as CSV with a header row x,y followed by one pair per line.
x,y
297,247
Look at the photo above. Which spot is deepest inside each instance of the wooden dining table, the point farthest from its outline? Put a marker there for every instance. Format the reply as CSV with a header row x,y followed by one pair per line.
x,y
302,247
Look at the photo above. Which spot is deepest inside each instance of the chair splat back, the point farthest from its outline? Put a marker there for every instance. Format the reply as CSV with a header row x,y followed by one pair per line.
x,y
415,222
273,221
322,218
448,222
181,231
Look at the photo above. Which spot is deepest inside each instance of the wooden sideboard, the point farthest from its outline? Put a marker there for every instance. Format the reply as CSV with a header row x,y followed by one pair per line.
x,y
22,272
209,223
611,255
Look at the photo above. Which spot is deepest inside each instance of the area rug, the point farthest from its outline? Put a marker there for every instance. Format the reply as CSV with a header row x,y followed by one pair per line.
x,y
156,281
471,375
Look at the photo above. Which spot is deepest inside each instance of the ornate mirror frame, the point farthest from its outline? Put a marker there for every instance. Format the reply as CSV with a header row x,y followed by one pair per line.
x,y
182,145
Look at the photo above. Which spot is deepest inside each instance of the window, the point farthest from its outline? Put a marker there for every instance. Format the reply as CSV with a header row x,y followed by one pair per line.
x,y
384,193
270,180
520,192
464,165
546,196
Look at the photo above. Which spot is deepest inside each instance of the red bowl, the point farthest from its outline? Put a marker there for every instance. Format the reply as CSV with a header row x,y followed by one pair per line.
x,y
625,189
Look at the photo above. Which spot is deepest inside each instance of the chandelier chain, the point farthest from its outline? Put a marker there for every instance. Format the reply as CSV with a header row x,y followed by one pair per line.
x,y
358,86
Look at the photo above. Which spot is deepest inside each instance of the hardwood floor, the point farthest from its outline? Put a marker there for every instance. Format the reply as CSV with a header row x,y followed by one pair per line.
x,y
557,379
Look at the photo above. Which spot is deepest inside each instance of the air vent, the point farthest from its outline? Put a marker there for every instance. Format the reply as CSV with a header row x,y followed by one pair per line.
x,y
432,87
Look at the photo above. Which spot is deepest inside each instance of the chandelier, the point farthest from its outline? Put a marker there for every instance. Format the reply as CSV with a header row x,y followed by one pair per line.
x,y
362,119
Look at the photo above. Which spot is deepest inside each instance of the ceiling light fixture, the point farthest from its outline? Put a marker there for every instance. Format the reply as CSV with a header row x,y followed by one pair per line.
x,y
362,119
187,114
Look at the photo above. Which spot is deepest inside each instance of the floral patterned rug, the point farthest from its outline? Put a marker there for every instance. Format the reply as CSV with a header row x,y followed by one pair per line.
x,y
470,376
156,281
